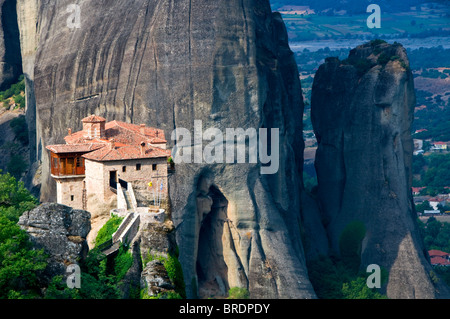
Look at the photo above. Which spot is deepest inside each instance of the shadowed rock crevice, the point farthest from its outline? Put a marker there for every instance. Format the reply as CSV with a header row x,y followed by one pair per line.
x,y
10,56
212,271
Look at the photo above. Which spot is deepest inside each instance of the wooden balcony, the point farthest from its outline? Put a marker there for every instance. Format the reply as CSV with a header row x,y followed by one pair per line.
x,y
67,165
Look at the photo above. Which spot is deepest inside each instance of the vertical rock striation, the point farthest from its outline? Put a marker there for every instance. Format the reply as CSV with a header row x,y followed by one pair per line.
x,y
362,111
168,63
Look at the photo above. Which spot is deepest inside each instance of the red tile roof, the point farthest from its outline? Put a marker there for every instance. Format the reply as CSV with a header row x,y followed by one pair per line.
x,y
437,253
436,199
125,152
121,132
74,148
439,261
127,142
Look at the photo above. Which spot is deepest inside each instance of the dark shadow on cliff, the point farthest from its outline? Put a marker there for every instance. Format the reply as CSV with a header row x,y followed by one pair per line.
x,y
12,66
212,271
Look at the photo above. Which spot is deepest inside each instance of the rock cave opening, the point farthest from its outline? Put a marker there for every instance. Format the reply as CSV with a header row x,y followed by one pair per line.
x,y
212,271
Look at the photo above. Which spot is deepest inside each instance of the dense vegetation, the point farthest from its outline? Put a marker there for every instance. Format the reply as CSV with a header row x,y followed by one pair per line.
x,y
340,277
101,278
425,58
175,273
14,94
436,235
20,264
238,293
17,164
334,279
434,172
106,232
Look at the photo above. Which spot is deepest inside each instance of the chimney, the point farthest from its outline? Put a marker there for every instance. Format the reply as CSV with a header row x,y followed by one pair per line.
x,y
70,131
142,129
142,148
112,144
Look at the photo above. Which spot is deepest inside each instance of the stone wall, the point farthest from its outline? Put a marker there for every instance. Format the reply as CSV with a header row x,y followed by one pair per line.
x,y
98,174
95,186
70,192
138,178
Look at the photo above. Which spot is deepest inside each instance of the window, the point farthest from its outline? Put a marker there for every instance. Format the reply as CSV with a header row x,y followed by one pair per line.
x,y
154,167
138,167
124,169
80,162
72,198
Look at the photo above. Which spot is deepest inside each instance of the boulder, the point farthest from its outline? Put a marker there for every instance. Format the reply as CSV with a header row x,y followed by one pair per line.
x,y
61,231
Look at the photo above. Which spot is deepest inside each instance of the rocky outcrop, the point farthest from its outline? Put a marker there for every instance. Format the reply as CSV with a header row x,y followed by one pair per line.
x,y
156,242
10,57
167,63
362,111
154,279
61,231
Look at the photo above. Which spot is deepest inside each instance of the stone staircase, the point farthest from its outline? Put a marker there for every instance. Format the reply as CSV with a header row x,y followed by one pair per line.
x,y
134,215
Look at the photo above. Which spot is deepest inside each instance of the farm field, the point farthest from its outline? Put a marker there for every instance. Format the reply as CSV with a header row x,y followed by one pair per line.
x,y
414,23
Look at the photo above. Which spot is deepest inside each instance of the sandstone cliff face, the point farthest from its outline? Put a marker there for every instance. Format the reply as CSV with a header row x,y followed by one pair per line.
x,y
61,231
362,111
167,63
27,20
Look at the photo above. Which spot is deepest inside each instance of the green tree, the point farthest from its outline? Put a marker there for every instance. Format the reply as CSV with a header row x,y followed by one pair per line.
x,y
14,197
238,293
350,243
19,263
106,232
358,289
16,166
20,129
420,208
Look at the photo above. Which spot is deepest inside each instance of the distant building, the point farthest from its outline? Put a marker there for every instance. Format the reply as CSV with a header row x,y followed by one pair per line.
x,y
420,199
439,146
431,212
106,158
435,202
418,144
416,190
439,258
